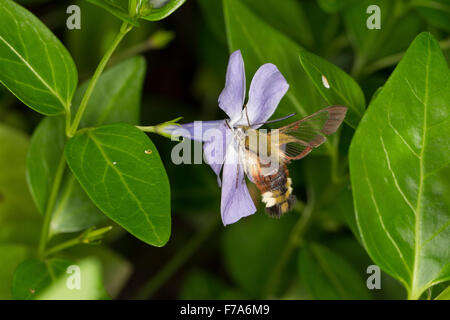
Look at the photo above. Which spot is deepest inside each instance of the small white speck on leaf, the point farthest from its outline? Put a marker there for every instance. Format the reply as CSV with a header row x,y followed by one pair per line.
x,y
148,151
325,82
114,163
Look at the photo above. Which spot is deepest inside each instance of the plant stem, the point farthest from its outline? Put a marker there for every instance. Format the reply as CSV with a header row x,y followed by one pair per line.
x,y
177,261
159,129
70,131
68,120
294,241
154,42
92,235
51,204
124,29
64,245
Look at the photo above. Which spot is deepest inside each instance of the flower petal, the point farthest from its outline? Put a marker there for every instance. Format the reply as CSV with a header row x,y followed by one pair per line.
x,y
232,97
193,130
236,201
215,146
266,90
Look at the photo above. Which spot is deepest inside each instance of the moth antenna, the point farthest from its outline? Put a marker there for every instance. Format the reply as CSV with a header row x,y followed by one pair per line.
x,y
275,120
228,125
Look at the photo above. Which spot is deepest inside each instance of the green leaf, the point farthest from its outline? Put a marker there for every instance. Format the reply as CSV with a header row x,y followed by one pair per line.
x,y
12,255
406,28
116,97
33,276
73,211
334,5
253,247
120,169
287,16
116,270
444,295
159,13
118,8
88,45
46,147
327,276
399,165
35,65
32,2
48,280
91,284
212,11
435,12
259,44
335,86
19,220
348,248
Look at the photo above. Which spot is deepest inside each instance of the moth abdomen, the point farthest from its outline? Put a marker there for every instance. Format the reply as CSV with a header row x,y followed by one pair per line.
x,y
276,192
279,209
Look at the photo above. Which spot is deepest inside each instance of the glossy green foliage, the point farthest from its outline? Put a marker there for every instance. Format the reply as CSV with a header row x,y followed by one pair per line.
x,y
335,86
120,170
115,98
399,170
33,276
58,279
35,65
328,276
160,9
117,95
152,10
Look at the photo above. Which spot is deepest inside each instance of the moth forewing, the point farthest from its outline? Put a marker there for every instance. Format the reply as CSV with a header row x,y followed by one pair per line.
x,y
300,137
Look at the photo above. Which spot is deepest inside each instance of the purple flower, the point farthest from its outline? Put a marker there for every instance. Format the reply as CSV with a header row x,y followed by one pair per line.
x,y
267,88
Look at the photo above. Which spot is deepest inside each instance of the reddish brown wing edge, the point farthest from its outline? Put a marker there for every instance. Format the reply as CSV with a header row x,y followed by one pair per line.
x,y
336,115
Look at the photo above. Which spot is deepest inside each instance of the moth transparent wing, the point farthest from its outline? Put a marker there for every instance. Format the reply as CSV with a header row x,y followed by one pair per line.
x,y
298,139
258,155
